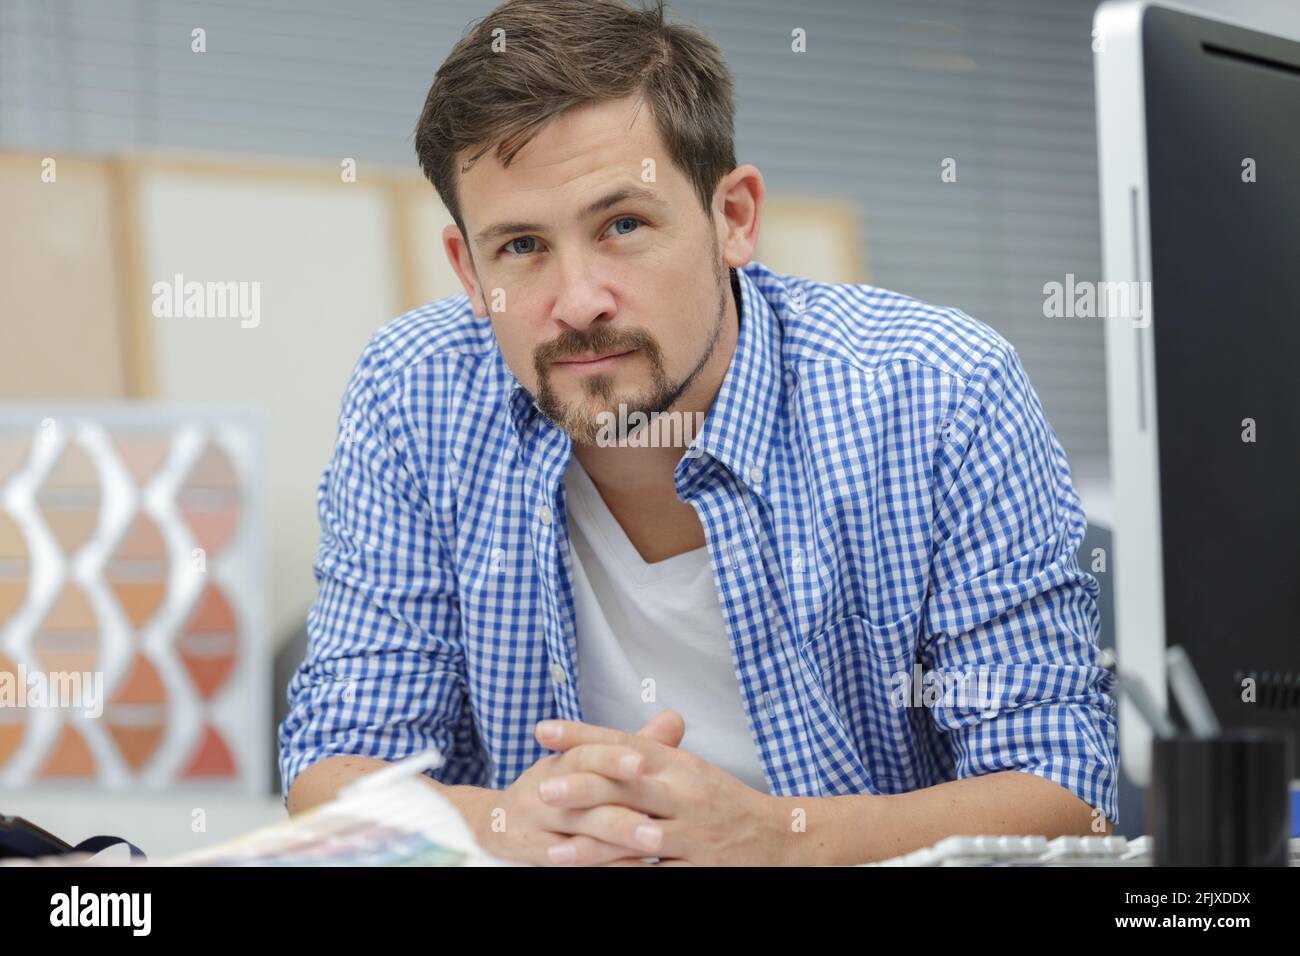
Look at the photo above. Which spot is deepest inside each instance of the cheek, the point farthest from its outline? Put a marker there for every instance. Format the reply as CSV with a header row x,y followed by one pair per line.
x,y
686,323
517,347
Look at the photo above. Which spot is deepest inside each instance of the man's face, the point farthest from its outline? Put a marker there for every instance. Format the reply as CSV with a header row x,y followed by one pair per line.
x,y
604,289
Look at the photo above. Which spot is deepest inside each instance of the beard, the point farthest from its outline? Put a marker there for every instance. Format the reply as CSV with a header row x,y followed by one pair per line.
x,y
585,420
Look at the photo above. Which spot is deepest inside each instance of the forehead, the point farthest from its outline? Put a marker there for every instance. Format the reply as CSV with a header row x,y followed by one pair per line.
x,y
576,152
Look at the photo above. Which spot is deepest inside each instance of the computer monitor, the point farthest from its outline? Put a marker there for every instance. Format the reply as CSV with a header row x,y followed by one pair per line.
x,y
1198,124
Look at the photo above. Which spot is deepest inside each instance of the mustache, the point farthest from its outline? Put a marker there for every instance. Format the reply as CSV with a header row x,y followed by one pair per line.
x,y
602,340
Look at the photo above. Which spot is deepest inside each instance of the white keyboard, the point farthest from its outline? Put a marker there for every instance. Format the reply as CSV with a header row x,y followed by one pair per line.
x,y
1038,851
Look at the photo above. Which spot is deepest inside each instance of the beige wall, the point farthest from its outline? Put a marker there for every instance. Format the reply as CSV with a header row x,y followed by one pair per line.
x,y
60,297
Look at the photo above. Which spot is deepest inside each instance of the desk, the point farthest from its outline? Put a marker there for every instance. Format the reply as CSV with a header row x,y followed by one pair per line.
x,y
159,824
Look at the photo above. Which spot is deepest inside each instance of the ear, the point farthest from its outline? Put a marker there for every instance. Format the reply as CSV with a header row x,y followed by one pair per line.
x,y
458,254
737,204
668,727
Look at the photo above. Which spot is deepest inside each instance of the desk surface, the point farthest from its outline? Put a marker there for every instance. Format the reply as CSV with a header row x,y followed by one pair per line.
x,y
162,825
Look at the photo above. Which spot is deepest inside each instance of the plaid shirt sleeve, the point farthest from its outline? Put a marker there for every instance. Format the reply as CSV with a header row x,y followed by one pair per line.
x,y
384,674
1008,601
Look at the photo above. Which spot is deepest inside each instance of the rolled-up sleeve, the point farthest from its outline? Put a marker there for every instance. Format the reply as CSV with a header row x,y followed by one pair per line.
x,y
1011,619
384,672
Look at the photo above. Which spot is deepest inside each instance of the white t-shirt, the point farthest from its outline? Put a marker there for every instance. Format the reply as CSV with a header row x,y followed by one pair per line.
x,y
659,622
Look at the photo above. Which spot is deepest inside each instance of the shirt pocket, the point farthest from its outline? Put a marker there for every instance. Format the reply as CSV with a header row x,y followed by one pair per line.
x,y
886,644
861,667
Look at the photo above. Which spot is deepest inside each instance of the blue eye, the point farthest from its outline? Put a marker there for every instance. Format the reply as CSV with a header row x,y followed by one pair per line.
x,y
510,246
632,223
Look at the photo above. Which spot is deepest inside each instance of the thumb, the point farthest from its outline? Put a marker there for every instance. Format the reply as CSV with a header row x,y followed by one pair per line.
x,y
668,727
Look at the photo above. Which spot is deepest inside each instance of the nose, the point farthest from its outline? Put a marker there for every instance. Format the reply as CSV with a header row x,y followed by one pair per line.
x,y
583,297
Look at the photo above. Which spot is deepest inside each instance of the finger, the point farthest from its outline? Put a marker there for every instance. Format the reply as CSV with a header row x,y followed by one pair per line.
x,y
667,727
580,791
583,790
609,760
585,851
537,849
616,825
566,734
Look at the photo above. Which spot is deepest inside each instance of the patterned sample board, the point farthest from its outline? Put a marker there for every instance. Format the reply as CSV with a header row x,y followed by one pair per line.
x,y
133,644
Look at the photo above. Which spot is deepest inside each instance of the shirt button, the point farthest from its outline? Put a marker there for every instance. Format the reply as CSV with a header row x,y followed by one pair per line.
x,y
558,675
544,515
755,476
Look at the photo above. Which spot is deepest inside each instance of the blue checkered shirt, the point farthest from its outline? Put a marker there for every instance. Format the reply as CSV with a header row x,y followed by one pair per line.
x,y
889,514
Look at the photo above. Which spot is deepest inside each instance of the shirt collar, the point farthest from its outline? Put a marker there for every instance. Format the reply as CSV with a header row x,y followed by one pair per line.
x,y
738,430
523,408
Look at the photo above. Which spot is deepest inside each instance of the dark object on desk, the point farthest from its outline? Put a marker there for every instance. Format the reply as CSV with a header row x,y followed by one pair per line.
x,y
1221,800
23,839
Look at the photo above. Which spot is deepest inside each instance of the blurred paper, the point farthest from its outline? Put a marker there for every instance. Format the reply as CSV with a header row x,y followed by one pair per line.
x,y
389,818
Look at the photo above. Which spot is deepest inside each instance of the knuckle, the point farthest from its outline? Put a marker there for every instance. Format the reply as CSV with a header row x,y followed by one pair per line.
x,y
547,764
614,761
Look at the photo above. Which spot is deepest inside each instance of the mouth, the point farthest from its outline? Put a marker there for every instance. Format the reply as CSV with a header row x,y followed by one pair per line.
x,y
591,363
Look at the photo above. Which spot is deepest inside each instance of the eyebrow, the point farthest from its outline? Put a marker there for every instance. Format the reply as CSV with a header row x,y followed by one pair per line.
x,y
626,193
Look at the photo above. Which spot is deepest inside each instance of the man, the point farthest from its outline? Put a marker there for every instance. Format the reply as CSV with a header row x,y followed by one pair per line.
x,y
840,620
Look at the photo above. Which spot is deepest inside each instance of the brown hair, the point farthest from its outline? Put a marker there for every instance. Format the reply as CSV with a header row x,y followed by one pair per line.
x,y
559,54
